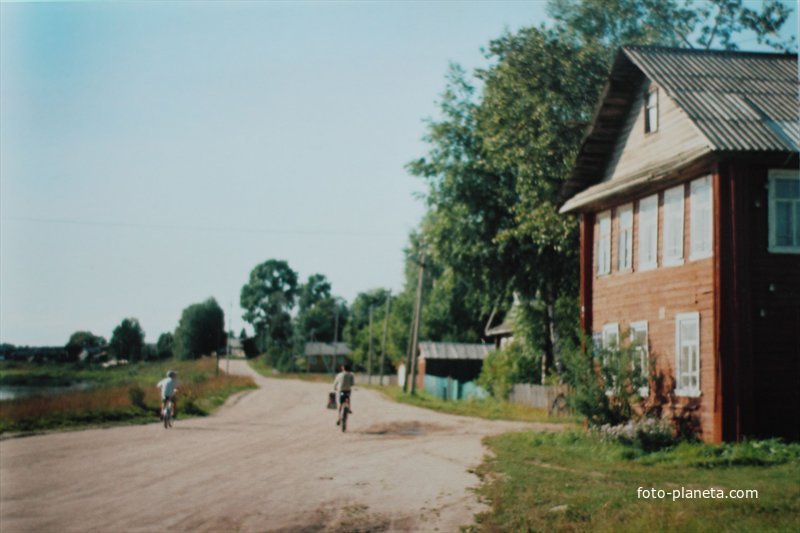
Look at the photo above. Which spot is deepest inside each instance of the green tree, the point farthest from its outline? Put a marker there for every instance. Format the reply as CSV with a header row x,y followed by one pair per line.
x,y
267,299
497,159
164,345
319,313
201,330
127,340
81,340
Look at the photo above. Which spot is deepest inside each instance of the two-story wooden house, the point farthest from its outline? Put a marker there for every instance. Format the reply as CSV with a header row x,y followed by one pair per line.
x,y
688,193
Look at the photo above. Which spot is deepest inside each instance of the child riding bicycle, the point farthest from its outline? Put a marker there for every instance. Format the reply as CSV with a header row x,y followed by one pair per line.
x,y
168,388
343,384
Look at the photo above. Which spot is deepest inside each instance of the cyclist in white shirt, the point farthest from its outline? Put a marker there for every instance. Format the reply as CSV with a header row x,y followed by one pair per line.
x,y
168,387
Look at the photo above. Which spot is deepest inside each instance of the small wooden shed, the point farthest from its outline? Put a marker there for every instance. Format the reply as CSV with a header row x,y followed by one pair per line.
x,y
326,356
448,370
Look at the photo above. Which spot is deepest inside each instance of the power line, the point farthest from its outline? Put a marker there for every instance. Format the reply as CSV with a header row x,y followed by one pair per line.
x,y
181,227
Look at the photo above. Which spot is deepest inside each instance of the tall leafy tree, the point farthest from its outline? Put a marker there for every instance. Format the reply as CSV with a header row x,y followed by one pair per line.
x,y
81,340
319,313
127,340
164,346
201,330
267,298
497,159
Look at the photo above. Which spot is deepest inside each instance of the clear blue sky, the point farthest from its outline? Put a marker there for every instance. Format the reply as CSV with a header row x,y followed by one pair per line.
x,y
152,154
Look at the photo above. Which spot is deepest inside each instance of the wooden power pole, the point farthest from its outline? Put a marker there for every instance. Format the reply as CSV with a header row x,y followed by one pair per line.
x,y
415,334
385,335
369,363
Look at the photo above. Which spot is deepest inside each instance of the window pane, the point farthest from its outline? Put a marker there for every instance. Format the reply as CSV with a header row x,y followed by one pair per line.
x,y
787,189
688,332
783,223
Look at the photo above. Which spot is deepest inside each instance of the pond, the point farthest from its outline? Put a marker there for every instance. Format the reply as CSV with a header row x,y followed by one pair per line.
x,y
12,392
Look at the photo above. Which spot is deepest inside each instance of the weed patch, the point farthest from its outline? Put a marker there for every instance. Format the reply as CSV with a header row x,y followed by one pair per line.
x,y
127,395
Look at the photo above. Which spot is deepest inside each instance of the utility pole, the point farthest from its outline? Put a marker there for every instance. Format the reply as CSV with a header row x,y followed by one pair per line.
x,y
417,313
385,334
335,333
408,352
228,339
369,363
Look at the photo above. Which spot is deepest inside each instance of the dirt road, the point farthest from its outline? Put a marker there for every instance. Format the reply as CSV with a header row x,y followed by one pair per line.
x,y
271,459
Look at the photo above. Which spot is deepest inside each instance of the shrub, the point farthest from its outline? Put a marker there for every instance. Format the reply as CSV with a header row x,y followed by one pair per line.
x,y
605,382
509,365
645,434
136,394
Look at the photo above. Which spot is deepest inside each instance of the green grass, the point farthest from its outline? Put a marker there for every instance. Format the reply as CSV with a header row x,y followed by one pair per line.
x,y
572,481
122,395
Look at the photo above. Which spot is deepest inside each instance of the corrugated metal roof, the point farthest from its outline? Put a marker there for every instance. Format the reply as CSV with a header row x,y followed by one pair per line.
x,y
326,348
739,101
454,350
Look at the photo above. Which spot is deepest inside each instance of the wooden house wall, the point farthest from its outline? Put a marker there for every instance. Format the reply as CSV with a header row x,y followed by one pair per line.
x,y
636,150
657,296
767,299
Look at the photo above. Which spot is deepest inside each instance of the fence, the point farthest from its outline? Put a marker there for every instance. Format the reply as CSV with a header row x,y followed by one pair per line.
x,y
541,396
388,379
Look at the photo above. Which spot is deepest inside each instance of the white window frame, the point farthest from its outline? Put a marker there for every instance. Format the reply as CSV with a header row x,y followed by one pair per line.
x,y
643,350
608,330
625,238
701,225
651,111
688,390
673,226
794,248
604,243
648,249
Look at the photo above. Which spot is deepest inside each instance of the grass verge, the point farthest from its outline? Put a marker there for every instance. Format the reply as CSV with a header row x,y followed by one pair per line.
x,y
573,481
124,395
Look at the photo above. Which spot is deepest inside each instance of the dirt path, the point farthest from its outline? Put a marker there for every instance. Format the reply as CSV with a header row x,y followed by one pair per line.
x,y
271,459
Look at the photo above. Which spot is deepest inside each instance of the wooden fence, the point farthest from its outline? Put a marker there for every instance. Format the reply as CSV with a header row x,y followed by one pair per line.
x,y
541,396
388,379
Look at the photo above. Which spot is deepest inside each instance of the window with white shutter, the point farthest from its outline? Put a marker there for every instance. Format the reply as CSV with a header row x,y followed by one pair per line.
x,y
701,225
673,226
687,354
625,244
648,233
604,243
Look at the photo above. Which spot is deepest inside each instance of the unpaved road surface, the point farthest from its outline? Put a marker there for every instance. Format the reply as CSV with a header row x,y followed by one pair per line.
x,y
271,459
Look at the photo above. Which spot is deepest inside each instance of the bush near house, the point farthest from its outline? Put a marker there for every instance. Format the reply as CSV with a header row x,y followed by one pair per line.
x,y
505,367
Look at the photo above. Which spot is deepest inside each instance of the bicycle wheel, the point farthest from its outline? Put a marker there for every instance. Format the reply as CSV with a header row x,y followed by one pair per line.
x,y
345,412
167,415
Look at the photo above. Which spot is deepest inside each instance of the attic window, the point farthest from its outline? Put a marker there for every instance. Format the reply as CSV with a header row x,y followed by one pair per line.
x,y
651,112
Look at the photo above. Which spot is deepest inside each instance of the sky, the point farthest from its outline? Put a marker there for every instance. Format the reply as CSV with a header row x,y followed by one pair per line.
x,y
152,154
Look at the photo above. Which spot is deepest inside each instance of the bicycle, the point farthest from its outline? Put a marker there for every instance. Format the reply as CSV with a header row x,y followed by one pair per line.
x,y
345,412
166,414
